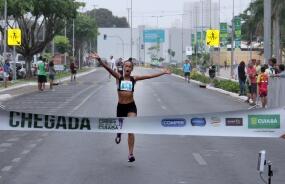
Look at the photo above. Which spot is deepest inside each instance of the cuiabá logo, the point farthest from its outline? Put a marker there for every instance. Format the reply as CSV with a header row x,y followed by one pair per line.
x,y
179,122
271,121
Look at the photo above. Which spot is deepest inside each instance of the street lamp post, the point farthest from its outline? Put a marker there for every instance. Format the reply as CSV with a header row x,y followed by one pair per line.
x,y
5,30
233,37
131,28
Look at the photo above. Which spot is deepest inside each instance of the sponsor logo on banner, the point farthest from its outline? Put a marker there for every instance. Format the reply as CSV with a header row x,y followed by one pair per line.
x,y
179,122
38,121
198,122
234,122
111,123
264,121
215,121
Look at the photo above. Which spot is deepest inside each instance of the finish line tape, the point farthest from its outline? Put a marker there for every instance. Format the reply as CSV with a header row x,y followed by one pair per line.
x,y
254,123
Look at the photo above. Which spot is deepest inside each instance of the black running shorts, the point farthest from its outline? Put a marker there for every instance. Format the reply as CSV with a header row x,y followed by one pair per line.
x,y
124,109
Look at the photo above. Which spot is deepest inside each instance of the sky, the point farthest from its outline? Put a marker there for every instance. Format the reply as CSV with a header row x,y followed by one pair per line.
x,y
145,12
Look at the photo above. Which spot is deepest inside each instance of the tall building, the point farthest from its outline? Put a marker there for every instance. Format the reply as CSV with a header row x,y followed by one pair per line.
x,y
201,15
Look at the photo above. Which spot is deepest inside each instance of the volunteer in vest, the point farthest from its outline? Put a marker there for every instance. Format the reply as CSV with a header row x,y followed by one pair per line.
x,y
126,105
262,81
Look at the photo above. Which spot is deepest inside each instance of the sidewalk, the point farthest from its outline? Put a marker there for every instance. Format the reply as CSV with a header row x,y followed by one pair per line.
x,y
29,87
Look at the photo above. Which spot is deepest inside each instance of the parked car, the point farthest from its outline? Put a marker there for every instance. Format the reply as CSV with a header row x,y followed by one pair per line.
x,y
20,68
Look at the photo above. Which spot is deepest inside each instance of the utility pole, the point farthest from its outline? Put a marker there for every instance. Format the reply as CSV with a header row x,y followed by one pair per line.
x,y
5,30
233,37
267,30
202,28
218,68
182,38
65,38
73,41
131,28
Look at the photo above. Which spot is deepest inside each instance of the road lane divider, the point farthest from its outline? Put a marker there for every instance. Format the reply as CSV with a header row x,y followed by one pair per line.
x,y
245,123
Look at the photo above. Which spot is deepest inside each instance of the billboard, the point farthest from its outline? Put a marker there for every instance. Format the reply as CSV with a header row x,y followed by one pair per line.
x,y
154,36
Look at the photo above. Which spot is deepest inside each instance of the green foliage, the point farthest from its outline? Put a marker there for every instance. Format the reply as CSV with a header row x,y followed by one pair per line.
x,y
199,77
227,85
105,18
61,43
32,16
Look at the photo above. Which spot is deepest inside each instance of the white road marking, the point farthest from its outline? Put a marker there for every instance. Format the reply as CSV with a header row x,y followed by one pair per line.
x,y
163,107
199,159
0,177
84,100
12,140
6,168
25,152
158,100
16,159
5,145
2,150
39,140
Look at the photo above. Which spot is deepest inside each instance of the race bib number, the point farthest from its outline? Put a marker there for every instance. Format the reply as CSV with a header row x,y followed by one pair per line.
x,y
126,86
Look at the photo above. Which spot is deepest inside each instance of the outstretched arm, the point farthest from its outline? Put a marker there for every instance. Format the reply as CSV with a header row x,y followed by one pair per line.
x,y
112,72
164,71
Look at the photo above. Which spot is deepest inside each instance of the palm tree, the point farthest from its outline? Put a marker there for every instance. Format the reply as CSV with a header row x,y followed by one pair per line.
x,y
278,7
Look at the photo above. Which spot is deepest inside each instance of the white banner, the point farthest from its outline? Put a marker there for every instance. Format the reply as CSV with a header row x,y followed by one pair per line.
x,y
254,123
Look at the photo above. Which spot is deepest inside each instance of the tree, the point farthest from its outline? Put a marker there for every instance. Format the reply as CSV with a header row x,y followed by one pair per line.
x,y
85,31
105,18
62,44
32,15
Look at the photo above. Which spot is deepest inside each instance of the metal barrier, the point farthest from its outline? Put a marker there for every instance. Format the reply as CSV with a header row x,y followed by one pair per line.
x,y
276,92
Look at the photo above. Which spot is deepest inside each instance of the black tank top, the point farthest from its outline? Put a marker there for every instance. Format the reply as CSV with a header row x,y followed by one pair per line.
x,y
126,85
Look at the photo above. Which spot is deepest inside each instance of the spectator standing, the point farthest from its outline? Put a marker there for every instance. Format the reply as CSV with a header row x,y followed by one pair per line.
x,y
241,78
262,81
42,75
258,67
52,73
6,73
281,70
120,66
187,70
271,70
112,65
73,71
251,72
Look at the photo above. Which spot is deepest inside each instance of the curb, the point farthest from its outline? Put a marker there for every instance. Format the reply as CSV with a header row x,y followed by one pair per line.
x,y
235,95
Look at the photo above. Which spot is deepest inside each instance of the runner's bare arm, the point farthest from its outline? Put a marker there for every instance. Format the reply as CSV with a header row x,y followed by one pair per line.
x,y
112,72
164,71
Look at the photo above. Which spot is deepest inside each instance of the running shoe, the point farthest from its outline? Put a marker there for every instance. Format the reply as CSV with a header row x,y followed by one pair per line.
x,y
131,158
118,138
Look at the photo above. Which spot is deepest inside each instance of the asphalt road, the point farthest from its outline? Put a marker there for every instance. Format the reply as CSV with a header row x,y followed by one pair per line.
x,y
74,158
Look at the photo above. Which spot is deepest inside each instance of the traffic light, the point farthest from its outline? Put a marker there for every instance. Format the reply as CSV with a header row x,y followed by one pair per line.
x,y
105,36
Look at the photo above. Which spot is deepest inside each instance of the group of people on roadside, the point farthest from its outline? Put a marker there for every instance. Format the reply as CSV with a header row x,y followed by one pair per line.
x,y
45,69
253,79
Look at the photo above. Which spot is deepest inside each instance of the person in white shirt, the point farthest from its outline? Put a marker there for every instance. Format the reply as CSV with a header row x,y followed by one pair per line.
x,y
112,65
271,69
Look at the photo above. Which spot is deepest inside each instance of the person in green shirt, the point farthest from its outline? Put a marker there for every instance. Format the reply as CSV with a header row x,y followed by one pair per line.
x,y
42,75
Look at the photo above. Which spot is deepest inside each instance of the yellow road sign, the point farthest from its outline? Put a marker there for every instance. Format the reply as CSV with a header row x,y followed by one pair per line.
x,y
14,37
213,37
